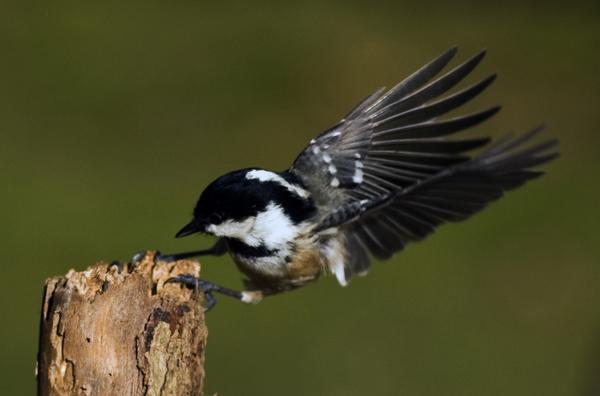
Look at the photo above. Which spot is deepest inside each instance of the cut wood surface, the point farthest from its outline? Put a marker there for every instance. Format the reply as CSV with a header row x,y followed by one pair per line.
x,y
122,331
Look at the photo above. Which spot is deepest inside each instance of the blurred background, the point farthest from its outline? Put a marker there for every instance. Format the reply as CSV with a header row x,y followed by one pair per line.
x,y
115,115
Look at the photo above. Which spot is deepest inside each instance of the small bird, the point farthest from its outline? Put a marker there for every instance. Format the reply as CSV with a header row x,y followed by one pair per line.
x,y
386,175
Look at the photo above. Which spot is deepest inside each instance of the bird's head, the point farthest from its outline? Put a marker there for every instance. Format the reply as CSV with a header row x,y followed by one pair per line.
x,y
227,207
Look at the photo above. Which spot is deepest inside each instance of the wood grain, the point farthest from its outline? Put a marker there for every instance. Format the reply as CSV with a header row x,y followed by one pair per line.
x,y
111,331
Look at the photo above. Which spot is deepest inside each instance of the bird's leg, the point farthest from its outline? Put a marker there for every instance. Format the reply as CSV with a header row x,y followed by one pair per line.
x,y
208,288
253,296
219,248
184,255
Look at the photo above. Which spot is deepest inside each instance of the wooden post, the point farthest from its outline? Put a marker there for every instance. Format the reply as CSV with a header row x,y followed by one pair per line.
x,y
111,331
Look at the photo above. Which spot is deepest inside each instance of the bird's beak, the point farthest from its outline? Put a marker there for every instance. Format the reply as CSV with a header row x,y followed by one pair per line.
x,y
188,229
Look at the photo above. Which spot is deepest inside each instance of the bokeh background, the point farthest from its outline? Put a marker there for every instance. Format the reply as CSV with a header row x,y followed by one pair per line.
x,y
115,115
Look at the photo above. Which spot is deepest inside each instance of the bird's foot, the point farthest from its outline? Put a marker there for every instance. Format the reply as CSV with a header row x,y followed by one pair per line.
x,y
118,264
166,258
207,287
139,256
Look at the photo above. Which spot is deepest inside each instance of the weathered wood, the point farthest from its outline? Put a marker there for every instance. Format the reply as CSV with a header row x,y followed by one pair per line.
x,y
106,331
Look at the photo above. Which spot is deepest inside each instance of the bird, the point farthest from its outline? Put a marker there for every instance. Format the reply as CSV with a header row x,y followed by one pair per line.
x,y
387,175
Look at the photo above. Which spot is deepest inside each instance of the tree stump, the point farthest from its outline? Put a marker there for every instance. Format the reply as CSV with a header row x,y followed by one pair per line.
x,y
122,331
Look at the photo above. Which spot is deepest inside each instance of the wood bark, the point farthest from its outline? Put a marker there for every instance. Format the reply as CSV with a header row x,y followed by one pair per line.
x,y
122,331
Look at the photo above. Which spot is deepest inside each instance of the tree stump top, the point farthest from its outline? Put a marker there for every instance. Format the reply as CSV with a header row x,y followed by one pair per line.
x,y
122,331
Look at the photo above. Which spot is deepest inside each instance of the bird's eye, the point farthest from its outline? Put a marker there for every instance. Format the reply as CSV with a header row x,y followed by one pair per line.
x,y
215,218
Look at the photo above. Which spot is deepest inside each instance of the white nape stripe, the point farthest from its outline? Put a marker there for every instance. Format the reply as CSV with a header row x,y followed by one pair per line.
x,y
335,182
263,175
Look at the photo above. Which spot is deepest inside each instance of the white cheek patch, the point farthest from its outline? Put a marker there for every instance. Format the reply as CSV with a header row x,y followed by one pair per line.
x,y
263,175
273,228
231,228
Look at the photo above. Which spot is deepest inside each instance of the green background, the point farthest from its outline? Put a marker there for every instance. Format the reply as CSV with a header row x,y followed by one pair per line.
x,y
115,115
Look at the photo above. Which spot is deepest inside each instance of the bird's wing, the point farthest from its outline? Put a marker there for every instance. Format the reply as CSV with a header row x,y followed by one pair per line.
x,y
392,171
392,140
385,225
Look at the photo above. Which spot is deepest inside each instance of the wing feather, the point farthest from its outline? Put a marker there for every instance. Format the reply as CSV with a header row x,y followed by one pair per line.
x,y
456,193
411,83
433,109
393,173
430,91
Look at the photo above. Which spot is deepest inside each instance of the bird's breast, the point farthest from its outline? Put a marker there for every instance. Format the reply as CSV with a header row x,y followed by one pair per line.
x,y
297,263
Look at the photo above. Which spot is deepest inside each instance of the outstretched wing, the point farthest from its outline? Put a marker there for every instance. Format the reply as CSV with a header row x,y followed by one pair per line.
x,y
392,173
393,140
454,194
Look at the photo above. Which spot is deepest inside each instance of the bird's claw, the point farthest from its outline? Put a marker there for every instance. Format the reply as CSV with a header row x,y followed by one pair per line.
x,y
167,258
118,264
136,259
196,283
139,256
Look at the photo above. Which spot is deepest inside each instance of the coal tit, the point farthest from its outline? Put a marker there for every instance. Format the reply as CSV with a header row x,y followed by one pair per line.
x,y
386,175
